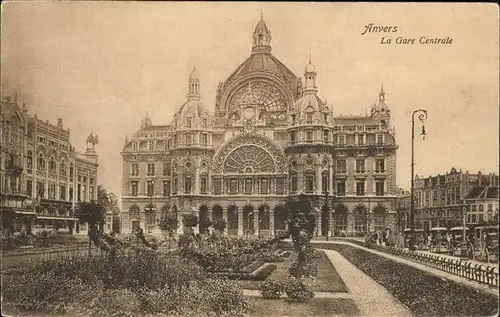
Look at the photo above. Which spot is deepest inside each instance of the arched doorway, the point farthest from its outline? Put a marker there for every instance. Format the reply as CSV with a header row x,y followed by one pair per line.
x,y
150,212
379,214
134,215
325,220
341,220
203,220
360,220
264,219
248,217
217,213
232,219
280,218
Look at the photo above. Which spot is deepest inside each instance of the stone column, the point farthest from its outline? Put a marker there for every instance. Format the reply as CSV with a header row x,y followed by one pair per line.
x,y
240,221
370,226
224,216
350,222
256,222
271,222
330,223
318,177
318,224
330,181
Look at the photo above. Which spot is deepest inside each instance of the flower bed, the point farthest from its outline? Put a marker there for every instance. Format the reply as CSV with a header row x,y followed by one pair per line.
x,y
423,293
242,276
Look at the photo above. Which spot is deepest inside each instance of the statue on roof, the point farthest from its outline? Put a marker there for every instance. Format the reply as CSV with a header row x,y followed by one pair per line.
x,y
92,140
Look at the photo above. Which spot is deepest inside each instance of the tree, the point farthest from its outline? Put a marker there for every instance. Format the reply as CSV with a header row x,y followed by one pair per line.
x,y
91,213
205,223
109,201
169,224
190,221
219,225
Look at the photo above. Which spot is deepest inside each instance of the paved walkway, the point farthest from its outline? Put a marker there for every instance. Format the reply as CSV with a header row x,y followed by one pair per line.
x,y
461,280
371,298
256,293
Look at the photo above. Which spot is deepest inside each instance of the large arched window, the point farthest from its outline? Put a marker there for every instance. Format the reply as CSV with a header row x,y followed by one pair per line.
x,y
309,181
52,165
379,214
325,180
62,169
40,163
134,212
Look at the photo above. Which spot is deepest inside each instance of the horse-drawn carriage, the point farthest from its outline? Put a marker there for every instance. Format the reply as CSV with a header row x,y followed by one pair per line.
x,y
439,241
419,238
486,243
459,245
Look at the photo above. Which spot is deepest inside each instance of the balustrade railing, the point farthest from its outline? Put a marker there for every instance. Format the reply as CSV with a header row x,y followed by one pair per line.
x,y
483,274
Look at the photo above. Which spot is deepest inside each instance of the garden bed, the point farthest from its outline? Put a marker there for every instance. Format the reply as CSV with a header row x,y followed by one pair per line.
x,y
313,307
328,279
259,275
423,293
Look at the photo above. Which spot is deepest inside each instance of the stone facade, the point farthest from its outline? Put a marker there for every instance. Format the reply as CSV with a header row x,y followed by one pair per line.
x,y
269,138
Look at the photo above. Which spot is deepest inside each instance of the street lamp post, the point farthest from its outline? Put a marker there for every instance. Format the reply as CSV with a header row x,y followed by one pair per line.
x,y
422,115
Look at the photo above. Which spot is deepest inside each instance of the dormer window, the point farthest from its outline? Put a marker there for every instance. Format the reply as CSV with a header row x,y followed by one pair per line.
x,y
325,117
205,122
309,118
188,123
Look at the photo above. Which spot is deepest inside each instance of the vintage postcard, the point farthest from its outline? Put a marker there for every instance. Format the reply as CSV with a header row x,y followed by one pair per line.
x,y
249,159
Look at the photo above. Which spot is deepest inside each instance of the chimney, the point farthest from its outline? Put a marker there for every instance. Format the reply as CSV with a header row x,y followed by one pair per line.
x,y
479,179
59,123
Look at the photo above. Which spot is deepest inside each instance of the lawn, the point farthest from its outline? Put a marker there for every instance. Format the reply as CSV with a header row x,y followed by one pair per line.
x,y
423,293
328,279
313,307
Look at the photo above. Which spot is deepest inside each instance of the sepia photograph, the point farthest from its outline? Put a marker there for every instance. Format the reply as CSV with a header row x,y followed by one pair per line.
x,y
209,159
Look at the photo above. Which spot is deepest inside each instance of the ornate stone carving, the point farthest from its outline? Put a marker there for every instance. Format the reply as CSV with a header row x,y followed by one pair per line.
x,y
267,157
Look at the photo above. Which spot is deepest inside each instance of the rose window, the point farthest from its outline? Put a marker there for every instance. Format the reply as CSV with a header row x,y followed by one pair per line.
x,y
249,159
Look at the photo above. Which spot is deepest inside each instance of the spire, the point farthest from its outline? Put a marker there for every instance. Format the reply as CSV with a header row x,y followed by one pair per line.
x,y
381,94
261,13
194,85
261,37
310,76
146,121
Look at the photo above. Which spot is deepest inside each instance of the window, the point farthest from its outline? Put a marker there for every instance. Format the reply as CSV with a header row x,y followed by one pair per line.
x,y
360,166
264,186
280,186
341,188
293,118
204,185
150,145
325,117
490,207
150,188
71,194
473,208
248,186
40,163
52,191
166,188
379,165
309,135
341,140
187,184
62,169
379,187
380,139
40,189
309,182
361,139
62,192
91,193
175,186
293,136
481,207
135,169
341,166
481,218
135,188
205,122
204,139
217,187
29,188
360,188
309,118
188,123
71,169
166,168
151,169
473,218
29,160
325,179
233,186
293,184
189,139
326,135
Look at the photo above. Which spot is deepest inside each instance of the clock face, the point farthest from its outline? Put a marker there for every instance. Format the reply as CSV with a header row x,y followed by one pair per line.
x,y
249,113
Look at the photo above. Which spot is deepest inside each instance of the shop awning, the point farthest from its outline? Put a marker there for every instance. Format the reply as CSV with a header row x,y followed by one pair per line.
x,y
56,218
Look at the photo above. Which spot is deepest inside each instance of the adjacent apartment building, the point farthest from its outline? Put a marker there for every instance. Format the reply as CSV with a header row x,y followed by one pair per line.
x,y
42,174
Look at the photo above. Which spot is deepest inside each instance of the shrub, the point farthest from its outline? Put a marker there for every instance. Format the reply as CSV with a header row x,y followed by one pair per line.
x,y
264,272
297,291
272,289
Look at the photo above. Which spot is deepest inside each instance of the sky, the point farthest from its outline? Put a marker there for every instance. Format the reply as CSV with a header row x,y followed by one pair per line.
x,y
101,65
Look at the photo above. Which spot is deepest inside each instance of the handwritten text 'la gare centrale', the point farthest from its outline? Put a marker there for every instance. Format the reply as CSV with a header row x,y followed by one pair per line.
x,y
371,28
